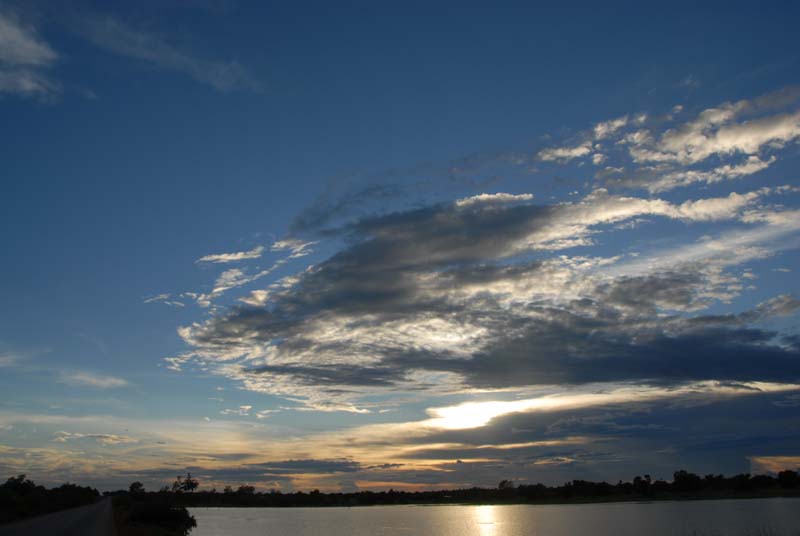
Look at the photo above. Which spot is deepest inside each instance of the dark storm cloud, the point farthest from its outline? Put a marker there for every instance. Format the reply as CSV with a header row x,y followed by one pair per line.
x,y
585,352
675,290
334,374
308,466
255,472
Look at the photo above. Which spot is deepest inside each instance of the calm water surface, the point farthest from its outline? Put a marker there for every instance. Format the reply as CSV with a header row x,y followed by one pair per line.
x,y
775,517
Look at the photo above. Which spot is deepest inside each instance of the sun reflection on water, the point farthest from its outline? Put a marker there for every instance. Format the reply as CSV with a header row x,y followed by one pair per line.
x,y
485,517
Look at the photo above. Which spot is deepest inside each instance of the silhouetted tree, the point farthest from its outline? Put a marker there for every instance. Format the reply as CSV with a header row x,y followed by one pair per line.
x,y
190,484
21,498
136,487
246,490
788,479
505,485
685,481
20,485
185,484
642,485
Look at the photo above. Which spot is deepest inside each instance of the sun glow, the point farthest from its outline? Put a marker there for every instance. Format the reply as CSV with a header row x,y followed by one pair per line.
x,y
477,414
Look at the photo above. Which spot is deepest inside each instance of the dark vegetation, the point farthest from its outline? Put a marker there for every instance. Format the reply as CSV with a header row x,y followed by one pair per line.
x,y
20,498
135,512
684,485
163,513
155,514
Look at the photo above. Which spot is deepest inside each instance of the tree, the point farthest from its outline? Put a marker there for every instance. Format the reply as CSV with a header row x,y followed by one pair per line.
x,y
505,484
788,479
246,490
190,484
185,484
19,484
136,487
686,481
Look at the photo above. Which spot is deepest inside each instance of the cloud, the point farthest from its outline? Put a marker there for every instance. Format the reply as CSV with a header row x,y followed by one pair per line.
x,y
234,278
20,45
119,38
565,154
774,464
8,359
254,253
103,439
747,128
710,135
668,181
725,142
445,298
91,379
582,431
238,277
165,299
241,410
477,414
298,248
607,128
497,198
24,60
293,467
326,208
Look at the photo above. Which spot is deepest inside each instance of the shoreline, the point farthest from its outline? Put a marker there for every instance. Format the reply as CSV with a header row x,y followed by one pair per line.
x,y
585,501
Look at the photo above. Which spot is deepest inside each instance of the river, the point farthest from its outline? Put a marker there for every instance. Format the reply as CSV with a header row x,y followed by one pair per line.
x,y
739,517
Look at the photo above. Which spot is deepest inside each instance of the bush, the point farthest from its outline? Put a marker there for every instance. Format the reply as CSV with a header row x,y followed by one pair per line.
x,y
162,514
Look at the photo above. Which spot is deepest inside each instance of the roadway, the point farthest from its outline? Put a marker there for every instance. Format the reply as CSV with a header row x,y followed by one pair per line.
x,y
93,520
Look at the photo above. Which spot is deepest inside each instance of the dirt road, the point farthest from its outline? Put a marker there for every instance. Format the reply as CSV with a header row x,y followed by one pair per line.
x,y
93,520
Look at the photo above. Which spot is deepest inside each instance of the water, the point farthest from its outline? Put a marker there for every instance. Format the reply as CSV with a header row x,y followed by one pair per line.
x,y
748,517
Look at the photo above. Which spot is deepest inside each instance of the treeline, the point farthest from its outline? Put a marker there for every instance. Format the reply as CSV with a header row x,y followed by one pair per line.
x,y
683,486
21,498
134,513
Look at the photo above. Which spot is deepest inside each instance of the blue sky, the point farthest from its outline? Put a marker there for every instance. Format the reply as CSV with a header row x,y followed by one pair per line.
x,y
372,246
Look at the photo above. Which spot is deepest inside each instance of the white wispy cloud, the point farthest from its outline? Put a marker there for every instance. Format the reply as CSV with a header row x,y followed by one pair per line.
x,y
8,359
499,197
103,439
607,128
254,253
24,60
298,248
740,138
711,135
164,298
241,410
122,39
91,379
567,153
684,177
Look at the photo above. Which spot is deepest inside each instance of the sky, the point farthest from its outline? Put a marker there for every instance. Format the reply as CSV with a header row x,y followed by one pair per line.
x,y
410,246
